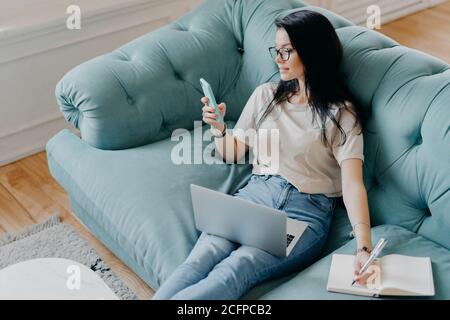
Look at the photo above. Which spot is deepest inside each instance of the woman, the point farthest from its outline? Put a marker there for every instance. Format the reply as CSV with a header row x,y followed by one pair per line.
x,y
320,159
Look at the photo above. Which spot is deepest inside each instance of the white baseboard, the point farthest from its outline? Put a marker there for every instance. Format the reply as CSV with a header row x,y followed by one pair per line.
x,y
31,140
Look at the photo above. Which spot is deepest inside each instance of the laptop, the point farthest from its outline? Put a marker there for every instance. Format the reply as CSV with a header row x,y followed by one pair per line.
x,y
245,222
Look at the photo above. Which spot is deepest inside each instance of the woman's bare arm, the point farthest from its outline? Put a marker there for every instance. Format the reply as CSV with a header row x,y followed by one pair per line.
x,y
230,149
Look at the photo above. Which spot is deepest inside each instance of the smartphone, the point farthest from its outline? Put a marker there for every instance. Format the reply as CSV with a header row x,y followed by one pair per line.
x,y
211,99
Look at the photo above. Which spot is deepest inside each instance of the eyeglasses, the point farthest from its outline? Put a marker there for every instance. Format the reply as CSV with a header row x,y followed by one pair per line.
x,y
285,53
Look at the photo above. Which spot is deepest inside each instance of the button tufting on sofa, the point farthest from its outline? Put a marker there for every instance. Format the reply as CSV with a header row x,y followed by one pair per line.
x,y
419,140
178,76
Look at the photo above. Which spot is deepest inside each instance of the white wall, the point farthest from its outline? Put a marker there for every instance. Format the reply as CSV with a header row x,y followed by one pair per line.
x,y
37,49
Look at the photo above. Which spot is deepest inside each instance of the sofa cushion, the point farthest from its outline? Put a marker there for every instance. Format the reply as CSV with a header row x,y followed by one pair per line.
x,y
139,197
341,230
132,200
311,283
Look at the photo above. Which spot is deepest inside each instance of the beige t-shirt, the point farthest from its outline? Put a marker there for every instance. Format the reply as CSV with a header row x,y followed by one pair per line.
x,y
303,159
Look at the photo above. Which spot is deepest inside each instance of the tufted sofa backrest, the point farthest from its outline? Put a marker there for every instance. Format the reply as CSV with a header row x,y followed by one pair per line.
x,y
141,92
406,97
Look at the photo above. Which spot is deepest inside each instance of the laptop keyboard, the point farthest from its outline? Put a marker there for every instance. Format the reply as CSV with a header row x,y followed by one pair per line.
x,y
290,237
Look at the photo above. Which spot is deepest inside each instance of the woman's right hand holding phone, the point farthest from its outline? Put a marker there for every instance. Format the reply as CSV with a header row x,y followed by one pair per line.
x,y
209,116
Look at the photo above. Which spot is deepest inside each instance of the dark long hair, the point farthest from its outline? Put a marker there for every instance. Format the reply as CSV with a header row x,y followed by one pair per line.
x,y
320,51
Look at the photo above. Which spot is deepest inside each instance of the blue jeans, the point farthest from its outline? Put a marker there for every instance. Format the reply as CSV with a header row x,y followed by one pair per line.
x,y
217,268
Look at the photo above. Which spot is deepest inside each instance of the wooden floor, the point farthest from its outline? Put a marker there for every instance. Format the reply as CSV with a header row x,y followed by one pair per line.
x,y
28,193
427,31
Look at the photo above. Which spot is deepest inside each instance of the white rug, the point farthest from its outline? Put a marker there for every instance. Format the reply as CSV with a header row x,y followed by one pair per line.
x,y
55,239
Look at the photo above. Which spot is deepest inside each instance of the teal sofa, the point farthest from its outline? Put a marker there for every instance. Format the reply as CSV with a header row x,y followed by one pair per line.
x,y
124,187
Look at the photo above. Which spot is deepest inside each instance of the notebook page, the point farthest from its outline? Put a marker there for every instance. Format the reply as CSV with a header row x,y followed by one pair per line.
x,y
341,276
404,275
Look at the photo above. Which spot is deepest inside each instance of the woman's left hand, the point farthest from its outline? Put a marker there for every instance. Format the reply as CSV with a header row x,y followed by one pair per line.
x,y
360,260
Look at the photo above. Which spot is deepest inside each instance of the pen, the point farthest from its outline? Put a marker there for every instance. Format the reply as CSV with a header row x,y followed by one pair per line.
x,y
375,252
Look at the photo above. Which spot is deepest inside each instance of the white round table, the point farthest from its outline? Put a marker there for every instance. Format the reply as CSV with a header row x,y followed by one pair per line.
x,y
52,279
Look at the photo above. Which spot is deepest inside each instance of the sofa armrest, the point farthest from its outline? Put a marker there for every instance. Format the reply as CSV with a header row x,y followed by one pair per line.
x,y
141,92
121,99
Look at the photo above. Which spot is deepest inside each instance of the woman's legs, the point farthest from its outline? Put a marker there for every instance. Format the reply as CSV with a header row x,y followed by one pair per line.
x,y
248,266
207,252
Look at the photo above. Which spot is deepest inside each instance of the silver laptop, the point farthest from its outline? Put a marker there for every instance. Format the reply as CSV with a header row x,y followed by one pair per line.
x,y
245,222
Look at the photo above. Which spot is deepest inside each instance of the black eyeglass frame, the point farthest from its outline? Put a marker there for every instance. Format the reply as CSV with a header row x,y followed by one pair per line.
x,y
277,51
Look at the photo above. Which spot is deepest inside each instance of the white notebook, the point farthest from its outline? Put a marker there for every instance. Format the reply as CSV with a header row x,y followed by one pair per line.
x,y
400,276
